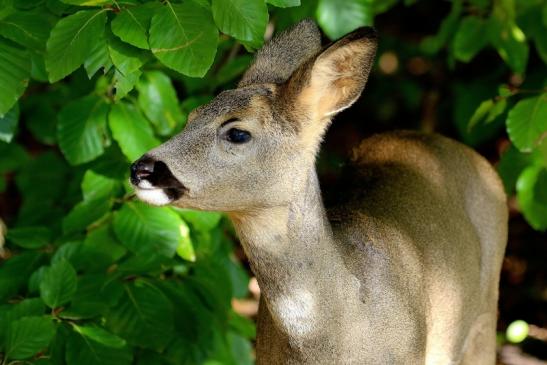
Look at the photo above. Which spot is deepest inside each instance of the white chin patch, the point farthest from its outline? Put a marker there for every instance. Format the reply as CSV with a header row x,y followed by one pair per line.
x,y
153,196
145,184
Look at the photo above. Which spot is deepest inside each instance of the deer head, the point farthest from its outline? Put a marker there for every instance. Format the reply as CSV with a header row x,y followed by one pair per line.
x,y
253,146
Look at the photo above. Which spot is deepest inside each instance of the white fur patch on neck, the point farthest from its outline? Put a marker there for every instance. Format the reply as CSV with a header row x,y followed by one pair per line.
x,y
296,312
153,196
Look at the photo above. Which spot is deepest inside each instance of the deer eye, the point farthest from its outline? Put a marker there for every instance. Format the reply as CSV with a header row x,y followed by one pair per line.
x,y
238,136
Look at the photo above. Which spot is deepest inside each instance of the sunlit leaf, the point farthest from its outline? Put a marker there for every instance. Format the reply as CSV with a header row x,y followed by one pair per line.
x,y
158,100
131,130
243,19
132,23
98,58
71,41
100,335
184,38
284,3
185,249
29,29
88,2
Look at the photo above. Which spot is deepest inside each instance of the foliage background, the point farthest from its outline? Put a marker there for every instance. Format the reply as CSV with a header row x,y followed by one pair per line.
x,y
91,276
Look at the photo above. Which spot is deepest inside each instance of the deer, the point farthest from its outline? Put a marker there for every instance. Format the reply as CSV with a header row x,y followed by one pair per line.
x,y
403,268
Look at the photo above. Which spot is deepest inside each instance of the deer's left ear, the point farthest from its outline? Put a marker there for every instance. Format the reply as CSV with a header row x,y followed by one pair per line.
x,y
333,80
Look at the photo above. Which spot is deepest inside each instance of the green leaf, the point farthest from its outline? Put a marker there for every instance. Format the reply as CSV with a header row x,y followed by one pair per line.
x,y
112,164
337,18
540,188
8,124
433,44
15,272
240,348
527,122
58,284
80,351
184,38
30,237
470,38
124,83
148,230
95,295
85,213
103,242
14,74
125,57
40,117
26,308
534,211
144,316
232,69
27,336
81,129
98,58
132,23
28,29
480,113
510,42
497,110
71,40
88,2
511,164
244,20
127,60
200,220
131,130
284,3
97,186
100,335
14,157
242,325
158,100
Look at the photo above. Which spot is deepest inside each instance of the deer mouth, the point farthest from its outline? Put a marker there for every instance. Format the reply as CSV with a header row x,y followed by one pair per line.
x,y
154,183
159,195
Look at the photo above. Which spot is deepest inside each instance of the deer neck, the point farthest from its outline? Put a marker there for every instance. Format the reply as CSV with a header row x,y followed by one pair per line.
x,y
291,252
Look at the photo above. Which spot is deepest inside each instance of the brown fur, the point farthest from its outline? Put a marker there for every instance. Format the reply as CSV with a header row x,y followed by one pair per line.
x,y
403,270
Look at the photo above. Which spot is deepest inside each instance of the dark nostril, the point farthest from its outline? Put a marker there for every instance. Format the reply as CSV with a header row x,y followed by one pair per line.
x,y
142,169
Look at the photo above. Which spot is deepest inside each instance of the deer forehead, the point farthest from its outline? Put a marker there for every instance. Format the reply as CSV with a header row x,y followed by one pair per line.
x,y
247,102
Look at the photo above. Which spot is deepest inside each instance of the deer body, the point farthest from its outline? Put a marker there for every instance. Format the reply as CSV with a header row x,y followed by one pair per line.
x,y
390,279
403,269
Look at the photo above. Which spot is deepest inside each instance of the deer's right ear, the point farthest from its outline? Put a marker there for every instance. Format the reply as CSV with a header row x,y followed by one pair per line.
x,y
283,54
334,78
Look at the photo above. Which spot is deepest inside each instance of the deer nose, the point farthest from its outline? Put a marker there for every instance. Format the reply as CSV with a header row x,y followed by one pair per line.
x,y
141,169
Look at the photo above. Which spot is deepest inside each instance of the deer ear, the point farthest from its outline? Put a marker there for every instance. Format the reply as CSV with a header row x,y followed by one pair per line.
x,y
283,54
334,79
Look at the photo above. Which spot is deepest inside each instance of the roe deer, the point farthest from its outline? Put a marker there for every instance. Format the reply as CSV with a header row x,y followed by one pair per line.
x,y
403,270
